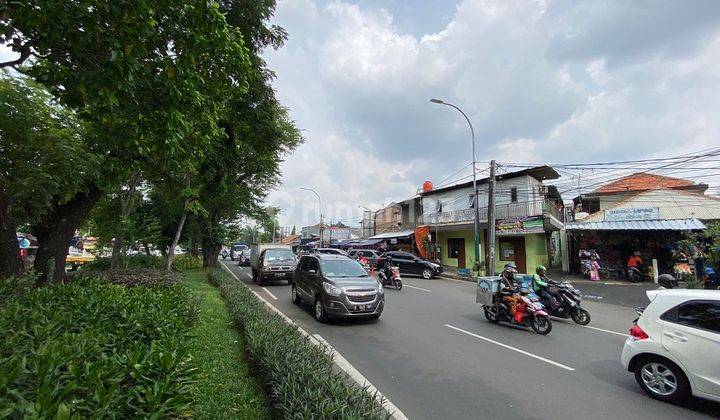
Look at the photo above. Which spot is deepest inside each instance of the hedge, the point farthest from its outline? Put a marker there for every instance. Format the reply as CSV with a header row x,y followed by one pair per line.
x,y
298,375
180,262
93,349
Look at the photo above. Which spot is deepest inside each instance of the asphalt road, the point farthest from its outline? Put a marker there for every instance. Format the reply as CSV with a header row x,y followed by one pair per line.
x,y
433,354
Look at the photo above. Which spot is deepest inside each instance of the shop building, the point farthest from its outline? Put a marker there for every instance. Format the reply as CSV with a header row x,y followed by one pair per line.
x,y
642,212
528,213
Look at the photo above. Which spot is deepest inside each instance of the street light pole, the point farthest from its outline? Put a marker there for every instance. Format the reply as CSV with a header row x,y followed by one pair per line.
x,y
476,223
319,211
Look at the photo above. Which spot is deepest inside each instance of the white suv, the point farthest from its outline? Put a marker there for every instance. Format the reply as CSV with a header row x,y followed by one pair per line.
x,y
673,347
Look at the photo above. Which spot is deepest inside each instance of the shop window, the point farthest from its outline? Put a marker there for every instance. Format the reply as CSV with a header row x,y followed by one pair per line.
x,y
507,251
513,195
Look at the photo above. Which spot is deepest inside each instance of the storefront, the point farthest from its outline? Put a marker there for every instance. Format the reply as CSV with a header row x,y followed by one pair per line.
x,y
616,240
523,241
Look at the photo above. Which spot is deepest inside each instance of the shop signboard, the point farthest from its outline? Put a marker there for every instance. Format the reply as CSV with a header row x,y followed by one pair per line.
x,y
639,213
519,225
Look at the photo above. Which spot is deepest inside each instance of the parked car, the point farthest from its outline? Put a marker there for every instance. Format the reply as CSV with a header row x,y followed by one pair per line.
x,y
412,264
674,345
371,255
336,286
272,262
333,251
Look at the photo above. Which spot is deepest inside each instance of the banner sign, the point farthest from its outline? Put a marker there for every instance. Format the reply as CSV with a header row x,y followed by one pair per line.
x,y
640,213
519,225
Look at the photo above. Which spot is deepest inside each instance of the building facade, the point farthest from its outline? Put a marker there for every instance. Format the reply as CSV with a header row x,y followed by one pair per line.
x,y
527,212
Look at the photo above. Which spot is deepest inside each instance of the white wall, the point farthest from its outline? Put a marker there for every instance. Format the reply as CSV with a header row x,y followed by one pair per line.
x,y
527,190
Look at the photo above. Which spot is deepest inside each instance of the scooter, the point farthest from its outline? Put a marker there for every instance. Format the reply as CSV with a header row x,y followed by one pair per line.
x,y
394,280
569,304
528,313
635,275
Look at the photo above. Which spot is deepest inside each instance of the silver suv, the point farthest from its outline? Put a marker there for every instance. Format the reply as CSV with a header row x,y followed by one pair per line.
x,y
337,286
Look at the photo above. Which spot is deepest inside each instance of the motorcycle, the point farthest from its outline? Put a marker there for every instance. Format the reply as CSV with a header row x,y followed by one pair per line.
x,y
393,280
636,275
569,305
528,313
224,254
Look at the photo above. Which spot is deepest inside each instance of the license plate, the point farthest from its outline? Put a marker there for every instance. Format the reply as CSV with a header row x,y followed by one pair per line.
x,y
362,307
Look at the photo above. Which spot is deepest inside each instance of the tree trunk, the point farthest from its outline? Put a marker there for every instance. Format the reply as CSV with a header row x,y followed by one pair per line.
x,y
176,239
211,247
57,228
146,246
127,203
10,263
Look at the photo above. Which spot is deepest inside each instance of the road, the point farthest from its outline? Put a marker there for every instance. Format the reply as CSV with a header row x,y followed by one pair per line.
x,y
433,354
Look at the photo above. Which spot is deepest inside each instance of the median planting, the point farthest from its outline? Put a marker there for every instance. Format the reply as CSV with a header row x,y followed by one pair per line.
x,y
297,374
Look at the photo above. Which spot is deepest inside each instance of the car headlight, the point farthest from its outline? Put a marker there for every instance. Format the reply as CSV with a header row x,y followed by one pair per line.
x,y
331,290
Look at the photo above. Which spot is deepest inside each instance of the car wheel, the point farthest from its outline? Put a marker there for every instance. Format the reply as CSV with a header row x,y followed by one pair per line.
x,y
319,310
662,379
427,273
294,295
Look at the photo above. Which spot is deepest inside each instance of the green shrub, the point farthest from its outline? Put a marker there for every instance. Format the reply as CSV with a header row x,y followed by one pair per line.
x,y
89,348
298,374
131,277
126,262
184,262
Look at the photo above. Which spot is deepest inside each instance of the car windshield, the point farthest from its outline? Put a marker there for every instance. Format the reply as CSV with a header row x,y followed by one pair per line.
x,y
342,268
239,247
279,255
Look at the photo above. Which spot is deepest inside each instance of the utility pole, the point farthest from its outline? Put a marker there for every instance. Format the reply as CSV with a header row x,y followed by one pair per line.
x,y
491,222
273,235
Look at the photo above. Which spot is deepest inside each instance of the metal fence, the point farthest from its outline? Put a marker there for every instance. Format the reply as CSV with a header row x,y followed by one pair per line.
x,y
503,211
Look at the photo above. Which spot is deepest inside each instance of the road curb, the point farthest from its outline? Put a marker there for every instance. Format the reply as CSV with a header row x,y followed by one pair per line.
x,y
393,411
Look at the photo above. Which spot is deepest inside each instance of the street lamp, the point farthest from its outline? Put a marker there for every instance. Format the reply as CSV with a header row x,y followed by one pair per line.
x,y
474,178
319,211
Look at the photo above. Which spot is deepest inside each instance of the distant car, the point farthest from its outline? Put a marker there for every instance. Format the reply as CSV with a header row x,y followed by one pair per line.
x,y
371,255
272,262
673,347
333,251
412,264
236,249
336,286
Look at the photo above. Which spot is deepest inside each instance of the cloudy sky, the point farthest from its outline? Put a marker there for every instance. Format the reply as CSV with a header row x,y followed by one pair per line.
x,y
542,81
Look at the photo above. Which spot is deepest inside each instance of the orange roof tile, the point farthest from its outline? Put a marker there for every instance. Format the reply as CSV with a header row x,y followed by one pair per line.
x,y
643,181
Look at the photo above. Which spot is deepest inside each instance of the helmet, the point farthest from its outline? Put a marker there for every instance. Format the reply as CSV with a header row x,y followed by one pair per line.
x,y
637,253
510,267
540,268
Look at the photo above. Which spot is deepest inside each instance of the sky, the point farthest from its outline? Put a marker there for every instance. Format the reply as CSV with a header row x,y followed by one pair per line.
x,y
541,81
550,81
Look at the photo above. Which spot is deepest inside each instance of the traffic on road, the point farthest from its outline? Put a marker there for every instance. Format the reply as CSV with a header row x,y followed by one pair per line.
x,y
434,351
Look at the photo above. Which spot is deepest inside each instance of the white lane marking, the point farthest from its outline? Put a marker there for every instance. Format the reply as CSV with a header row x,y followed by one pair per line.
x,y
415,287
535,356
603,330
358,377
269,293
392,409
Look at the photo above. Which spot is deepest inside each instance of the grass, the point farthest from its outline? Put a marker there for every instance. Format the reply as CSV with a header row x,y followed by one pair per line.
x,y
225,388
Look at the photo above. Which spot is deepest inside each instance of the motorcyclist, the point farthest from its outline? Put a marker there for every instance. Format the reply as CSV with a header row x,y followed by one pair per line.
x,y
362,260
635,261
543,286
508,287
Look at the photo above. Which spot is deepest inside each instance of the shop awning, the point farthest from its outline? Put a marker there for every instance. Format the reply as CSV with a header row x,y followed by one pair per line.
x,y
675,224
389,235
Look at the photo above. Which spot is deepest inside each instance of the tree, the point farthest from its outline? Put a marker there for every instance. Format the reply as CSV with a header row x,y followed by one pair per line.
x,y
149,78
44,160
258,134
293,231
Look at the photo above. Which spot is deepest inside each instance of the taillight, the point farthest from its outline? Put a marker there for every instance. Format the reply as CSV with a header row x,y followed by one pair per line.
x,y
637,333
